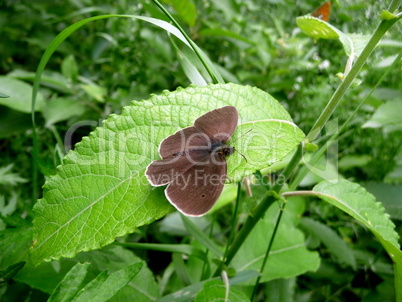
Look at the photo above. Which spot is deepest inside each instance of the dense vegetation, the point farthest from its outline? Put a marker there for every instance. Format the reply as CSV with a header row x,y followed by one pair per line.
x,y
105,64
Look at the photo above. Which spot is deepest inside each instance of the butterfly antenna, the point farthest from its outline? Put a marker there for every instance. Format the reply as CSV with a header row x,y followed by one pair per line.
x,y
237,140
242,155
241,136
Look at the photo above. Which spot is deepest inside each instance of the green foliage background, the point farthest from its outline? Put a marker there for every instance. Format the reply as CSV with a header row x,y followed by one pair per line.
x,y
106,64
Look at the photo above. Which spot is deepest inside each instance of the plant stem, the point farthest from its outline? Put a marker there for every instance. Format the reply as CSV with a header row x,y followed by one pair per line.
x,y
268,199
271,242
337,96
327,112
304,170
232,229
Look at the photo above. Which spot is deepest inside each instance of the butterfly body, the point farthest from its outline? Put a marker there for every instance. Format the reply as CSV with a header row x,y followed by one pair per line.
x,y
193,163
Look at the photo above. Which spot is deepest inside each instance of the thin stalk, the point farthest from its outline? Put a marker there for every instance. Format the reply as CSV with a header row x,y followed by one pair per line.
x,y
268,199
303,172
232,228
59,141
327,112
271,242
192,44
337,96
204,266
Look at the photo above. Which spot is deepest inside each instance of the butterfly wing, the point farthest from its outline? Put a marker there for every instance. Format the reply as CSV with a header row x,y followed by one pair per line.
x,y
195,180
323,11
218,124
196,190
183,140
165,171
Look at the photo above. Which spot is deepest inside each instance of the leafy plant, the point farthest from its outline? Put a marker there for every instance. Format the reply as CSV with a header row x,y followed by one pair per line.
x,y
98,208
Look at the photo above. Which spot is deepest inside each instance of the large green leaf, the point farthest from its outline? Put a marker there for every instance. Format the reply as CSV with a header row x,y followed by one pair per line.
x,y
288,257
361,205
100,191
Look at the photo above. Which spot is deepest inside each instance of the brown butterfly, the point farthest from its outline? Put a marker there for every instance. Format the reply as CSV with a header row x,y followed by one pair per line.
x,y
193,163
323,11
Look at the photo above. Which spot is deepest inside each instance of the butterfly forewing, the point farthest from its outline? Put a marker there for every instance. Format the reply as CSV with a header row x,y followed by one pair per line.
x,y
183,140
218,124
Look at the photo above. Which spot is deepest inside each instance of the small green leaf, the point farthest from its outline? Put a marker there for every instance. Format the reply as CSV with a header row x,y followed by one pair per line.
x,y
114,258
95,91
386,15
189,292
71,284
61,109
20,95
335,245
51,79
104,287
9,207
100,192
387,116
69,68
353,44
9,178
216,290
310,147
361,205
317,28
